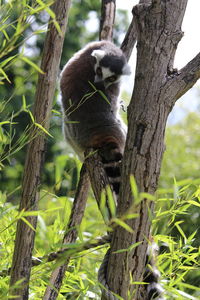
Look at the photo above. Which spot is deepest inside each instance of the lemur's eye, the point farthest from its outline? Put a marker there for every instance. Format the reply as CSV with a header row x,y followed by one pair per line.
x,y
99,71
112,78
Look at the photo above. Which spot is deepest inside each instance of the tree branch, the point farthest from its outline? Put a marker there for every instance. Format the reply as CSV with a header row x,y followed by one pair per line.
x,y
129,40
69,251
63,253
77,213
21,264
99,181
182,81
108,8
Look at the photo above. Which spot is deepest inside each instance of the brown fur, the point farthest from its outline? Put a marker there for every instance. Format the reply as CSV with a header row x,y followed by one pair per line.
x,y
90,118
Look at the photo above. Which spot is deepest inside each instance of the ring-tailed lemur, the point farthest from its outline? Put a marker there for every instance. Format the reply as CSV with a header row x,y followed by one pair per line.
x,y
90,83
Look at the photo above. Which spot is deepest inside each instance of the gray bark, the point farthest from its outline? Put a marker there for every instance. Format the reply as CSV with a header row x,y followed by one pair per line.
x,y
22,257
156,89
129,40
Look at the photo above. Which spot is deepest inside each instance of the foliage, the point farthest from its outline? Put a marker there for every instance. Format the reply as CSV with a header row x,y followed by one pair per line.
x,y
178,262
179,259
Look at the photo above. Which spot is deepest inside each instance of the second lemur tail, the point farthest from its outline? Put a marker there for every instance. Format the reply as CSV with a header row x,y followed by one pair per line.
x,y
152,275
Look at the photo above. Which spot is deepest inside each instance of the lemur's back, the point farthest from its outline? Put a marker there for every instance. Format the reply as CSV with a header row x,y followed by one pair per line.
x,y
90,106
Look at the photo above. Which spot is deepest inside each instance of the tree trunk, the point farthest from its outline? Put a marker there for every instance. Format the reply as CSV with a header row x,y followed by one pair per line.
x,y
158,32
22,257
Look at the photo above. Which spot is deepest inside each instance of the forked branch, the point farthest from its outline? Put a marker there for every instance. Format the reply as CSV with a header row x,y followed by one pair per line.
x,y
184,79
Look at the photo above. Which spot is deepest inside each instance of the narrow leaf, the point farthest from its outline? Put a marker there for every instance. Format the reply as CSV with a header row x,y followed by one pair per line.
x,y
28,61
43,129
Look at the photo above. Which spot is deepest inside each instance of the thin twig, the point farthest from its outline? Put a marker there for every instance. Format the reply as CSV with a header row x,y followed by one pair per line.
x,y
63,253
69,251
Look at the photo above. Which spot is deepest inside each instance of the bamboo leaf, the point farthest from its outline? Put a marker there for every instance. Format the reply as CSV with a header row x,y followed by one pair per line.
x,y
5,75
28,223
194,203
28,61
43,129
111,201
123,224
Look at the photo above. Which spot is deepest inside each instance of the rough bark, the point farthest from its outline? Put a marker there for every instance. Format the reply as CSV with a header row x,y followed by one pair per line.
x,y
129,40
130,37
181,81
158,33
99,181
108,8
76,216
21,264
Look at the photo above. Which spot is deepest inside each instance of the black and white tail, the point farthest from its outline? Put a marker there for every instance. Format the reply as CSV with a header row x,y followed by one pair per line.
x,y
113,172
152,275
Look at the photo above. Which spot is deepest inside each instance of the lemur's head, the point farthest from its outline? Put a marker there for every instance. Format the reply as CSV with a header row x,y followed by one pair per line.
x,y
110,64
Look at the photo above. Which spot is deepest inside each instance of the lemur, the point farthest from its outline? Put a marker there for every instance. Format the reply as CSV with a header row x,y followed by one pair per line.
x,y
90,86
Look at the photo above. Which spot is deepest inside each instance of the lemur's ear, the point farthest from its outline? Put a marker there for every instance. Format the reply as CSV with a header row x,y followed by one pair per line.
x,y
126,70
98,54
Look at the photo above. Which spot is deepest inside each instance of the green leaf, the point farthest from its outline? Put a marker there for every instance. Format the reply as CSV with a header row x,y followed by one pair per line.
x,y
43,129
111,201
28,61
189,286
5,122
5,75
147,196
123,224
103,96
7,60
131,216
180,230
134,189
138,282
194,203
29,213
28,223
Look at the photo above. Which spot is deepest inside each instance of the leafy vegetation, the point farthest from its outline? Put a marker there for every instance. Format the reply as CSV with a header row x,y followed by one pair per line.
x,y
22,27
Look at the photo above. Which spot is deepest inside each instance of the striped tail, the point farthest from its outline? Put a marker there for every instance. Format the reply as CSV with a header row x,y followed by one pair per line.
x,y
111,159
152,275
